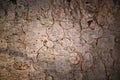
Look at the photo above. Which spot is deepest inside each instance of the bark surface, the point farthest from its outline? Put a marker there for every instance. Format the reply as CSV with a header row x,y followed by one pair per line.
x,y
59,40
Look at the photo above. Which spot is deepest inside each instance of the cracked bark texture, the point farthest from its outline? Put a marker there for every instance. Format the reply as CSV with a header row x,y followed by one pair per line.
x,y
59,40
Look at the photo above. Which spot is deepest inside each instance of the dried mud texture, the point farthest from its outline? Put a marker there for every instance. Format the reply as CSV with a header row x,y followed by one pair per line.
x,y
59,40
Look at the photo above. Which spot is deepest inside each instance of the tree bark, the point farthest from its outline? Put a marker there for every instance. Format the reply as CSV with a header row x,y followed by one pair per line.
x,y
59,40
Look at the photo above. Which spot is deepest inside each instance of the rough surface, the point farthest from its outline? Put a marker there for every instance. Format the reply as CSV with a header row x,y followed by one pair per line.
x,y
59,40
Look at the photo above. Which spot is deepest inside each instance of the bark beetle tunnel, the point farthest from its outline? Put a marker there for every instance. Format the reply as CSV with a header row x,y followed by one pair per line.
x,y
59,40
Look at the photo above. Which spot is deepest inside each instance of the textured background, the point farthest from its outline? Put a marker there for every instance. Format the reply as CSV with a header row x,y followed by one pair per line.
x,y
59,40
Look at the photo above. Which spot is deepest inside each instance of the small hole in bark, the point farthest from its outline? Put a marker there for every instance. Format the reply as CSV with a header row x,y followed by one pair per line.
x,y
38,18
89,22
87,2
45,41
48,28
69,1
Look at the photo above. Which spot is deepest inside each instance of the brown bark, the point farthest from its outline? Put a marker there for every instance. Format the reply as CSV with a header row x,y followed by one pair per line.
x,y
59,40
